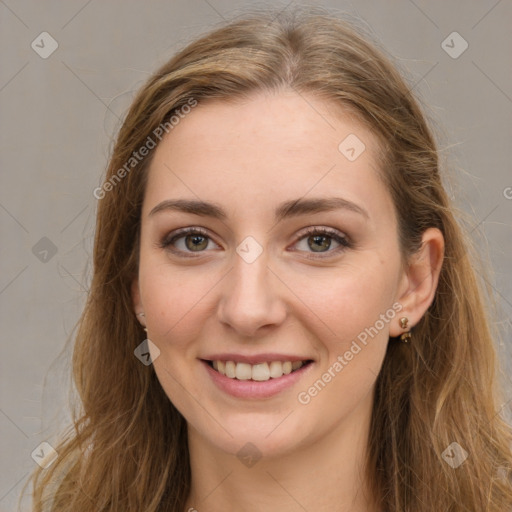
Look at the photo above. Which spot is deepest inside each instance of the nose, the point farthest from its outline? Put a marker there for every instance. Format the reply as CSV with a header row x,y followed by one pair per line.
x,y
250,300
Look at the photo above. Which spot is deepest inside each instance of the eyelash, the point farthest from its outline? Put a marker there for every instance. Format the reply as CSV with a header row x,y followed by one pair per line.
x,y
344,242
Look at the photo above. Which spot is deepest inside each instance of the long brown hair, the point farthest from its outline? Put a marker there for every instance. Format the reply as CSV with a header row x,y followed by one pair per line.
x,y
127,449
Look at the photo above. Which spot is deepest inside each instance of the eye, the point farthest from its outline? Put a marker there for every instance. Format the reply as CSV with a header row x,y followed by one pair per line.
x,y
319,240
196,240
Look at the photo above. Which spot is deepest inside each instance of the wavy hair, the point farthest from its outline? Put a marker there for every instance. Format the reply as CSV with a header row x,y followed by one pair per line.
x,y
127,447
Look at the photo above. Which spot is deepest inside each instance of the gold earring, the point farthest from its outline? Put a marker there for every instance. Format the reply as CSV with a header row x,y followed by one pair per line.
x,y
406,336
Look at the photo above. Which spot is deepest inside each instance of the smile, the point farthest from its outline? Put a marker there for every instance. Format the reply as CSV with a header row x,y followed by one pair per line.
x,y
261,380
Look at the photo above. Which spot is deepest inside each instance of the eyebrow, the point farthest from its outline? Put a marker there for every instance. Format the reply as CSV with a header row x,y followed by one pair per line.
x,y
288,209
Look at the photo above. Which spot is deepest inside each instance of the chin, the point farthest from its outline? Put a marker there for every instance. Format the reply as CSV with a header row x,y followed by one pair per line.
x,y
257,435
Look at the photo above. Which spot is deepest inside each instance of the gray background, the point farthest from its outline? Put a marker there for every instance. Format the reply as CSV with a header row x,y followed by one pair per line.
x,y
59,115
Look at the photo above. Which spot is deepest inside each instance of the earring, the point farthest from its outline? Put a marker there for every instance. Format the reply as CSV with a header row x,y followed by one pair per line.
x,y
406,336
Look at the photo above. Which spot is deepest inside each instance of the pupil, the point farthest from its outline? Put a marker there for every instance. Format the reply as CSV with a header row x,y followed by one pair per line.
x,y
195,239
316,238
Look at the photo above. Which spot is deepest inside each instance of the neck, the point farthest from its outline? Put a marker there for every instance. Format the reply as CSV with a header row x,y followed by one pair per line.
x,y
325,474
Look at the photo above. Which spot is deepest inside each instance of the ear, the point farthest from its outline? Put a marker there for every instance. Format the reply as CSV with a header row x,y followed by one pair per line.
x,y
136,299
419,281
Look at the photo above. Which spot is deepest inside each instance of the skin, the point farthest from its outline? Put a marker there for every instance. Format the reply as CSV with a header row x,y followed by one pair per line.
x,y
249,157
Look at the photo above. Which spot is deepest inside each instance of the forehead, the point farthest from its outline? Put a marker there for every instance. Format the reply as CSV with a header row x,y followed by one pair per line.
x,y
267,149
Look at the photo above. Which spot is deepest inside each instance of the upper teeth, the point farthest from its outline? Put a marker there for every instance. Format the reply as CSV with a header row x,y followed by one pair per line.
x,y
261,371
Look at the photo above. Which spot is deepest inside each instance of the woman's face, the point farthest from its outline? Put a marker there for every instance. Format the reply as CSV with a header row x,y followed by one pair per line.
x,y
262,282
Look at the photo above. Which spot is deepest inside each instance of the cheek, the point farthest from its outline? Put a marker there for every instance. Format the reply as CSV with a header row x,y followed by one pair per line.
x,y
175,300
175,305
351,299
358,311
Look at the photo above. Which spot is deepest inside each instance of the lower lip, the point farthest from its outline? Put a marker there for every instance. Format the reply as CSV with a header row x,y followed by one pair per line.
x,y
253,388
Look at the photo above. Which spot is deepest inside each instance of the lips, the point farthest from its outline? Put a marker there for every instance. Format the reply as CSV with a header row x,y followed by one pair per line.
x,y
250,381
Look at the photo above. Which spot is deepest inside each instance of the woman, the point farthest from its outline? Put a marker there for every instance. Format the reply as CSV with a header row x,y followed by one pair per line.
x,y
273,217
